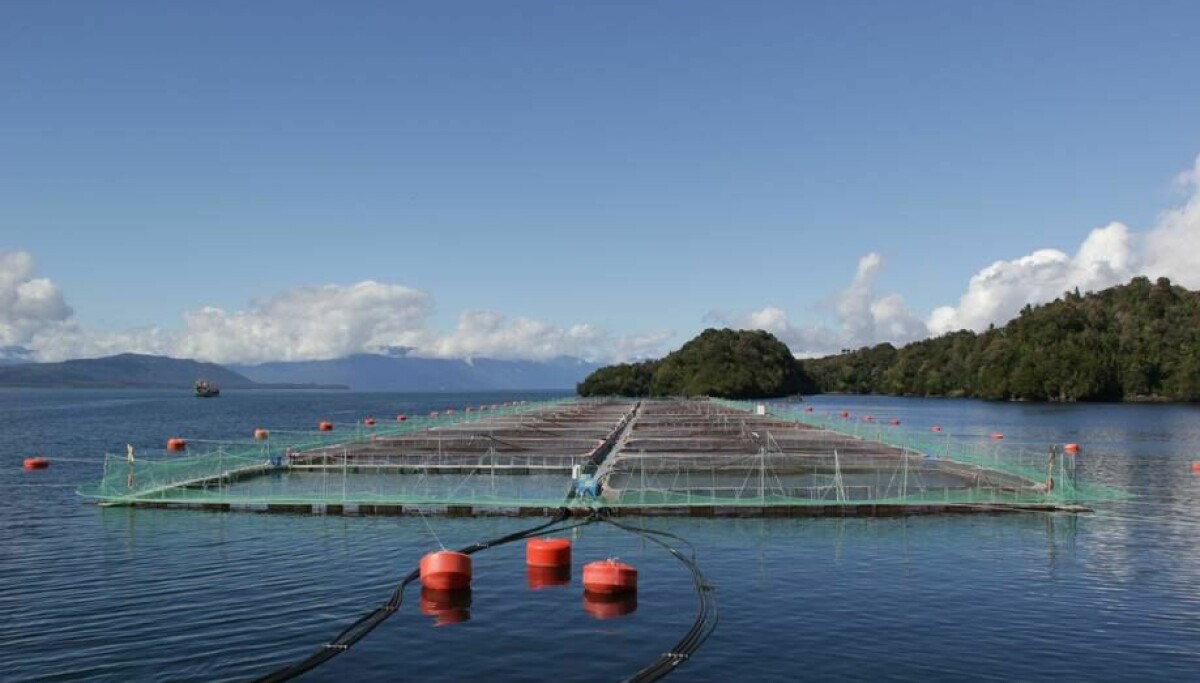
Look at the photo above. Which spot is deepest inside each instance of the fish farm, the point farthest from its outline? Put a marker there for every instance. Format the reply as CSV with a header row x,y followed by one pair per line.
x,y
627,457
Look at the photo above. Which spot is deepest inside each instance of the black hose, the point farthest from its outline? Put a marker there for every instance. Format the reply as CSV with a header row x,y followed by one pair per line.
x,y
369,621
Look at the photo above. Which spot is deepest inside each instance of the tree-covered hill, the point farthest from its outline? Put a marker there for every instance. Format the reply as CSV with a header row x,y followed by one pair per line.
x,y
1139,341
721,363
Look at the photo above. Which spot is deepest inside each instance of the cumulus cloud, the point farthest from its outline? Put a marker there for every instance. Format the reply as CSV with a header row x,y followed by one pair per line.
x,y
28,305
305,323
862,318
1108,255
998,292
490,334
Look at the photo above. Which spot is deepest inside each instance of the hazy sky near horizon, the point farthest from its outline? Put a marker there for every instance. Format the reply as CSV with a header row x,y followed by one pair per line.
x,y
287,180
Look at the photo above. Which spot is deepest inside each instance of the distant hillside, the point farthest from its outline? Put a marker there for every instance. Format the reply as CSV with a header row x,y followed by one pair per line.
x,y
721,363
125,370
368,372
1139,341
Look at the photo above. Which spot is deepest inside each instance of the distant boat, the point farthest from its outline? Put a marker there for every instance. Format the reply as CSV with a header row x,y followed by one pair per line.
x,y
206,390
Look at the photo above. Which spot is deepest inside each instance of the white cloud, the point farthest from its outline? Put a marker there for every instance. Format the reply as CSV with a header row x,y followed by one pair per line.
x,y
1108,255
305,323
997,293
862,318
28,305
490,334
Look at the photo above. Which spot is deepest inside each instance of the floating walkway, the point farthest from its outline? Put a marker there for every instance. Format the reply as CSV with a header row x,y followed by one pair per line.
x,y
653,457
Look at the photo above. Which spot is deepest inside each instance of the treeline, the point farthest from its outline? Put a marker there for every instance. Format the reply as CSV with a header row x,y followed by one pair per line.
x,y
720,363
1139,341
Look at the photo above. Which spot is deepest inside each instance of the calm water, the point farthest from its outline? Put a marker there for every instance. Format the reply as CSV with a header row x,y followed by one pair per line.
x,y
119,595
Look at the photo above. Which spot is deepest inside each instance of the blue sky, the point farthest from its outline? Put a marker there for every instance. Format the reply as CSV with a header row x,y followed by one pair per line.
x,y
633,166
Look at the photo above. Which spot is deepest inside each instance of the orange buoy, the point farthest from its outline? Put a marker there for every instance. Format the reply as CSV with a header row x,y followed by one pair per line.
x,y
1071,448
1196,466
609,606
547,577
175,445
369,421
401,418
324,426
996,436
808,409
35,463
548,552
261,434
446,606
935,428
609,577
894,421
867,418
445,570
844,414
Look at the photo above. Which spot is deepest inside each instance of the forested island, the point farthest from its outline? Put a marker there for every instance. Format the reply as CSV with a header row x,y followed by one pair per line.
x,y
1134,342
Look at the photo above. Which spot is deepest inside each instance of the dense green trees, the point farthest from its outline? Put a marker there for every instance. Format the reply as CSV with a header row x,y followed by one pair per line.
x,y
722,363
1131,342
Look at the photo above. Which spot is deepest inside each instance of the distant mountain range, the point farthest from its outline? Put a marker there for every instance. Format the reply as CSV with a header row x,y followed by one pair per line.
x,y
362,372
369,372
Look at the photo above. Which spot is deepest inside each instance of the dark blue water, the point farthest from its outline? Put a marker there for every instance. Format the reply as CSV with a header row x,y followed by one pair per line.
x,y
118,595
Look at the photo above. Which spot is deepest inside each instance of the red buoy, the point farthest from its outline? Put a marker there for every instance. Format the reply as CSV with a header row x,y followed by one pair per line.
x,y
996,436
609,577
36,463
935,428
261,434
1196,466
445,570
176,445
446,606
325,426
547,577
867,418
369,421
548,552
894,421
808,409
1071,448
844,414
609,606
401,418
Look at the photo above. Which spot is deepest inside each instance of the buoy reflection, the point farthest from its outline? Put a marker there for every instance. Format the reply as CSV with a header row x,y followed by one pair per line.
x,y
609,606
547,577
446,606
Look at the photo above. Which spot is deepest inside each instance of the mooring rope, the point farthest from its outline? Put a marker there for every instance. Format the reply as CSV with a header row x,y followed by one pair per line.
x,y
703,625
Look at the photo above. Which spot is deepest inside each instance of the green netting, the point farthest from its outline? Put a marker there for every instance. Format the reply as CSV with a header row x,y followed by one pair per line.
x,y
258,473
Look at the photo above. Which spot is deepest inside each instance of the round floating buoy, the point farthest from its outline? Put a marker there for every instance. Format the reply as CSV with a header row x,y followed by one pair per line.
x,y
844,414
369,421
609,577
609,606
996,436
175,445
261,434
36,463
548,552
324,426
1071,448
547,577
445,570
1196,466
401,418
894,421
935,428
446,606
867,418
808,409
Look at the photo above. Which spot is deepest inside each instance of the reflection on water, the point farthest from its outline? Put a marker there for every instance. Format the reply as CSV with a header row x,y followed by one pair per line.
x,y
602,607
446,606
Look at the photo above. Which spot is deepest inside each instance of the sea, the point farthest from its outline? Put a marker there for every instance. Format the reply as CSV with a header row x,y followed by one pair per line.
x,y
117,594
